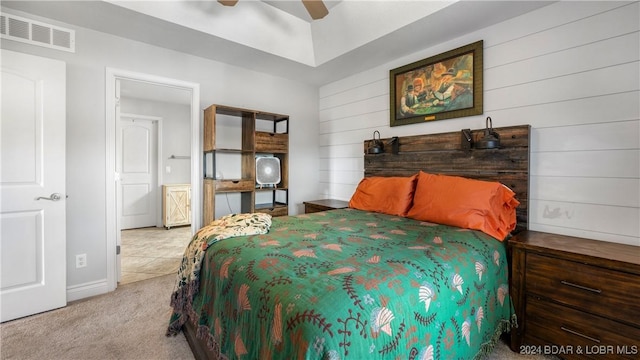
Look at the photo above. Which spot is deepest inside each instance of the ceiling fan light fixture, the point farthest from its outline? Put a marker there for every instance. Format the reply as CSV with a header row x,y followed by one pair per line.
x,y
315,8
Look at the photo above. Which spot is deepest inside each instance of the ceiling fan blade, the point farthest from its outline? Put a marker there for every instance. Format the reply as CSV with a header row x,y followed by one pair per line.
x,y
316,8
228,2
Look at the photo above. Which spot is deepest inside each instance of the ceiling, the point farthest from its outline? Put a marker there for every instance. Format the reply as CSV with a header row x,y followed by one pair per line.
x,y
278,36
295,7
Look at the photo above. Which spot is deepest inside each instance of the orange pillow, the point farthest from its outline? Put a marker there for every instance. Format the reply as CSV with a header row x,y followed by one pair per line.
x,y
388,195
473,204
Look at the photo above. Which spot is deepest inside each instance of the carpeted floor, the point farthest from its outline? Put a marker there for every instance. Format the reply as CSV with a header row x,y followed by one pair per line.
x,y
129,323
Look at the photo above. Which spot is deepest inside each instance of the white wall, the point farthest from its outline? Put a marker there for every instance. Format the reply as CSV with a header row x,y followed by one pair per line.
x,y
176,135
571,71
86,155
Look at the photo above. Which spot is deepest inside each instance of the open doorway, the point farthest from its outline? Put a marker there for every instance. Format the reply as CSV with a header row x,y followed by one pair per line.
x,y
153,146
165,106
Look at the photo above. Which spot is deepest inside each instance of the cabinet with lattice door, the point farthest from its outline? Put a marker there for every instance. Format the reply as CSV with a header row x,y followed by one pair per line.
x,y
176,209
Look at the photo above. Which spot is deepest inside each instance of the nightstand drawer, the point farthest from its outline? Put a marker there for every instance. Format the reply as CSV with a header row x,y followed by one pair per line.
x,y
550,323
597,290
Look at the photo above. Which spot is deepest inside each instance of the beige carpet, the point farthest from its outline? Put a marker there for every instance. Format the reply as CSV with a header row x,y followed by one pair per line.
x,y
128,323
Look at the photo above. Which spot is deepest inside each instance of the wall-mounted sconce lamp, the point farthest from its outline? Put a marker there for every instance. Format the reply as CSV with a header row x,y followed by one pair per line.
x,y
491,139
466,140
395,145
377,145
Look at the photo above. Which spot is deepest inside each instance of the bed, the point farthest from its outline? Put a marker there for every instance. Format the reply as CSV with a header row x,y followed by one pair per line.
x,y
362,282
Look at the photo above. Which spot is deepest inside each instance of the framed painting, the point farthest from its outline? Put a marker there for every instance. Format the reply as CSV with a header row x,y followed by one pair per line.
x,y
445,86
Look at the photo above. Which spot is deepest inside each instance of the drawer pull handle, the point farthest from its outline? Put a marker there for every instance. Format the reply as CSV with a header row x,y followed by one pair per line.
x,y
581,287
579,334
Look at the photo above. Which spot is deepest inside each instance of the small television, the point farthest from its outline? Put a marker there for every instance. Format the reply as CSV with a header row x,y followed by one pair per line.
x,y
267,171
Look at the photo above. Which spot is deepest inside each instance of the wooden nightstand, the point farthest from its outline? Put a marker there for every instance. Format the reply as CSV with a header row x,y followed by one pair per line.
x,y
581,296
324,205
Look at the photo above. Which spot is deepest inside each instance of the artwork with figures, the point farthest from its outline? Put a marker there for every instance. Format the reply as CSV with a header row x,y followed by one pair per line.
x,y
441,87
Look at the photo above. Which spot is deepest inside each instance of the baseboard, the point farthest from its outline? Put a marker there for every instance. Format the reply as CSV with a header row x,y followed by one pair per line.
x,y
82,291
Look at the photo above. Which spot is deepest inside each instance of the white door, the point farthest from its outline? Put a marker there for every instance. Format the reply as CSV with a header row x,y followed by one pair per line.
x,y
32,185
138,159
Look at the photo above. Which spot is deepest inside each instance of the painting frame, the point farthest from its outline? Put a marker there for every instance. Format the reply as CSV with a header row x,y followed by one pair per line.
x,y
450,83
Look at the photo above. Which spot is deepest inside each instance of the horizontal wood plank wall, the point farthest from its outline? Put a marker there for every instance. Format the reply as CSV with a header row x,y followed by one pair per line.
x,y
443,154
570,70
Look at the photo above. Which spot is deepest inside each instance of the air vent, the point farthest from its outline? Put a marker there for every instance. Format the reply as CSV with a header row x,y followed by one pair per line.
x,y
37,33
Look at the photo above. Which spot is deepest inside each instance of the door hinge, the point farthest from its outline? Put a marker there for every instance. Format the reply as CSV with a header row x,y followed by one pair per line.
x,y
118,250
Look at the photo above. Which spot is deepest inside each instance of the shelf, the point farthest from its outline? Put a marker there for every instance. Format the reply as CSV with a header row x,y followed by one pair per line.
x,y
271,117
277,209
233,139
270,205
265,188
232,111
231,151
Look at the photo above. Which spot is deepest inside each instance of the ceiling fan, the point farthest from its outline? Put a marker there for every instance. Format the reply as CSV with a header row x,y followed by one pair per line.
x,y
315,8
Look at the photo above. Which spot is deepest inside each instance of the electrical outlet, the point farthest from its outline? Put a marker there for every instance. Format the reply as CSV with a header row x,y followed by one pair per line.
x,y
81,260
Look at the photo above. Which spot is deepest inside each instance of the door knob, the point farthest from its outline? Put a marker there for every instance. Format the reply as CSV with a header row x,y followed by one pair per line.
x,y
52,197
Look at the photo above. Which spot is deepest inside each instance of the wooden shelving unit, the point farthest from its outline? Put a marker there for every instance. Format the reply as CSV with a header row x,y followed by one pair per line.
x,y
261,134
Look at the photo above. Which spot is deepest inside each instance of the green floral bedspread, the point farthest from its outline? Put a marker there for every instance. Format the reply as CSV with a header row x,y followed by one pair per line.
x,y
349,284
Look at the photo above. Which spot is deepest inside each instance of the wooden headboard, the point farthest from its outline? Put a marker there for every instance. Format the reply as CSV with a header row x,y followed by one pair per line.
x,y
444,154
